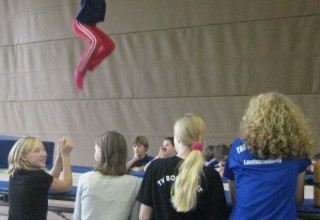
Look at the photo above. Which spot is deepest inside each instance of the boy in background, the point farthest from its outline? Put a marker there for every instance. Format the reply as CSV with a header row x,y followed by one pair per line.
x,y
140,157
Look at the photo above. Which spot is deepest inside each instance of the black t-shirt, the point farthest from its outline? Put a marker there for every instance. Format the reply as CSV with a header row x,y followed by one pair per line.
x,y
156,187
28,195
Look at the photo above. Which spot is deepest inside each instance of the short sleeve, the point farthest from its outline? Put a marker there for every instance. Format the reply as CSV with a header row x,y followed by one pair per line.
x,y
145,192
43,180
228,173
303,164
232,160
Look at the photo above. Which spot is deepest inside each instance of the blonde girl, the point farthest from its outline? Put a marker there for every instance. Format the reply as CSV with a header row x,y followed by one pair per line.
x,y
29,182
181,187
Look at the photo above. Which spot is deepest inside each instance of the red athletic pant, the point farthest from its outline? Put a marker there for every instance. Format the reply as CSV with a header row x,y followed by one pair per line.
x,y
99,45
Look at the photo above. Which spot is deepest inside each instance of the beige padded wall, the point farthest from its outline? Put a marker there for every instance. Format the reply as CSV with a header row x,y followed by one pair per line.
x,y
172,57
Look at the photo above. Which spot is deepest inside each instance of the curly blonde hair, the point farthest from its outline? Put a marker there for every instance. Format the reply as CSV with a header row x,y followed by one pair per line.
x,y
274,127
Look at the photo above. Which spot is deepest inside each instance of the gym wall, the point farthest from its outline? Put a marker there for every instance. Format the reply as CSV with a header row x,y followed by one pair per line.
x,y
172,57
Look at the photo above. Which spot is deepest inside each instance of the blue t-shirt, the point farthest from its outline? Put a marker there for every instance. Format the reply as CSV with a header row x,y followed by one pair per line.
x,y
213,163
265,188
142,162
91,11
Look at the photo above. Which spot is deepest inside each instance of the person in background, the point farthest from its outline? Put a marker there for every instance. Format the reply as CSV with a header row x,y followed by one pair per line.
x,y
314,158
266,165
140,157
166,150
29,183
108,192
216,156
221,153
309,178
181,187
208,155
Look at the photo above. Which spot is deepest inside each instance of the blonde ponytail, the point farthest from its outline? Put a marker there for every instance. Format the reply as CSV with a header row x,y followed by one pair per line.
x,y
185,189
190,129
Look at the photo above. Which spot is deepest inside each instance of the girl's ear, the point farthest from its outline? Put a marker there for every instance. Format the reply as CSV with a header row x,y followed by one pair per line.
x,y
23,158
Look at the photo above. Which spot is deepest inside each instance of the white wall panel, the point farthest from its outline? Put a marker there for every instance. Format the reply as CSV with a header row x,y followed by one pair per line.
x,y
171,57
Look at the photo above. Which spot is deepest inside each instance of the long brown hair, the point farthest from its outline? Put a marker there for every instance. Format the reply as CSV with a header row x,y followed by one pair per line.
x,y
113,154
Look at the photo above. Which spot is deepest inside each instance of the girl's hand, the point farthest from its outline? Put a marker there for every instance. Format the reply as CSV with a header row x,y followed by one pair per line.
x,y
65,146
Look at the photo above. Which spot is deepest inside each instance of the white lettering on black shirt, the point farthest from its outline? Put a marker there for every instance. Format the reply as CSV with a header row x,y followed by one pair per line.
x,y
172,178
167,178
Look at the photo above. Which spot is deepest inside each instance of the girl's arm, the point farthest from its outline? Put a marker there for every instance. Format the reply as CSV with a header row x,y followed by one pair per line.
x,y
64,184
145,212
130,163
57,166
300,188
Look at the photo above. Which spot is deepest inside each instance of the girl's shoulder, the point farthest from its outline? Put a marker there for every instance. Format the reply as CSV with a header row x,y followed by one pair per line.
x,y
89,174
173,159
163,165
132,179
30,172
32,176
165,162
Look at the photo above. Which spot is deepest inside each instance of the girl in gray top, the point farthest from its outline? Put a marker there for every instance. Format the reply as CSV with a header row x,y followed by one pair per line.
x,y
108,192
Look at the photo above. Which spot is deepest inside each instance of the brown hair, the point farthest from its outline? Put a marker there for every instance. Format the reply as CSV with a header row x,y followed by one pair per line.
x,y
141,140
220,151
113,154
208,153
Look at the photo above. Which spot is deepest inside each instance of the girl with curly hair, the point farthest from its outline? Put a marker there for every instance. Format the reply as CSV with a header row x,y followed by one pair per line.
x,y
266,165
